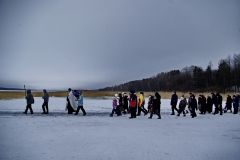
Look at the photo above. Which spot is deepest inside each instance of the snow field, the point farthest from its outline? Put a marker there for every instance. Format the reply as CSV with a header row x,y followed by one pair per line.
x,y
98,136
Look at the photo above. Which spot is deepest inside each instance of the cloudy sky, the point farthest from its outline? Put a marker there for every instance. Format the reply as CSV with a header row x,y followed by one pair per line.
x,y
91,44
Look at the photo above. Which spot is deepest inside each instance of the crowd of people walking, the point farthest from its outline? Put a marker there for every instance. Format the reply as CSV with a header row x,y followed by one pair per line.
x,y
135,105
203,104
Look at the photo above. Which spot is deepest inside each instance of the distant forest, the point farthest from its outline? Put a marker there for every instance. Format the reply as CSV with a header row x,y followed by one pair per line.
x,y
194,78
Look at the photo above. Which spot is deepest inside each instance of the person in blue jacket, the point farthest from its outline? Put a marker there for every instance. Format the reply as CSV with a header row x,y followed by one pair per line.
x,y
174,101
80,104
235,102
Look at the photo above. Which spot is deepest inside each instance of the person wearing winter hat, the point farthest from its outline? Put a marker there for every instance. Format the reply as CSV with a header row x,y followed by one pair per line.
x,y
219,104
235,102
80,104
45,102
174,101
114,105
182,106
238,96
158,97
209,104
228,104
152,105
125,103
193,106
132,104
141,103
120,104
30,101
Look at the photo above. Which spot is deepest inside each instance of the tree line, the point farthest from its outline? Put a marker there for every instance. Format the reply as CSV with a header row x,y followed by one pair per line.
x,y
194,78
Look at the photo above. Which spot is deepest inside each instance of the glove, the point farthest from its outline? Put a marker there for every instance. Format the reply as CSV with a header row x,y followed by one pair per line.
x,y
66,109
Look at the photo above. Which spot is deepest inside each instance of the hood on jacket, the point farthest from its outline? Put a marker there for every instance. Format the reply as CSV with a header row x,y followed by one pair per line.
x,y
28,91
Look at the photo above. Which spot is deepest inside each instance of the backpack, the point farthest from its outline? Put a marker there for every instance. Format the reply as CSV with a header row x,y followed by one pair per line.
x,y
33,101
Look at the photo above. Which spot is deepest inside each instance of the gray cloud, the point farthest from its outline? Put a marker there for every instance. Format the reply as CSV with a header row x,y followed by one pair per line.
x,y
93,44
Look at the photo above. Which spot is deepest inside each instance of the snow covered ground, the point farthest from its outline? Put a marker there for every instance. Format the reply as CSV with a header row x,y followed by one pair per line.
x,y
100,137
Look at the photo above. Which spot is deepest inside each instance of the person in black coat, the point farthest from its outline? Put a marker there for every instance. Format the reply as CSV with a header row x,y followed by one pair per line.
x,y
203,104
228,104
193,106
125,103
214,101
174,101
120,105
30,101
209,104
152,105
219,104
158,97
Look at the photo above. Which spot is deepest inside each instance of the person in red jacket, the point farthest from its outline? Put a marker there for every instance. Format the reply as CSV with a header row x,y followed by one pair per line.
x,y
132,104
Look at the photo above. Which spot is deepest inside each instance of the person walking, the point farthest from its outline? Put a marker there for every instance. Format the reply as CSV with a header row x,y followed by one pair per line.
x,y
238,96
158,97
235,102
228,104
80,104
30,101
132,104
141,103
193,106
209,104
182,106
45,102
152,104
125,103
214,101
219,104
174,101
114,105
203,104
188,102
71,102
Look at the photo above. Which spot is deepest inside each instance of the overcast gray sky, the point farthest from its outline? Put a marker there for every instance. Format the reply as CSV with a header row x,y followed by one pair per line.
x,y
90,44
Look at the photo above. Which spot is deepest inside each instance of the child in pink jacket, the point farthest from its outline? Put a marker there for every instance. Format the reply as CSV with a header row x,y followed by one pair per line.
x,y
114,105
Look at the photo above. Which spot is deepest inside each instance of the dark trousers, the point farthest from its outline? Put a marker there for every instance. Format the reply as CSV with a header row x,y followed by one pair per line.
x,y
125,107
159,108
228,107
141,109
235,110
174,108
114,110
203,109
70,109
193,112
218,109
209,108
181,110
154,111
133,112
83,110
43,107
29,106
119,109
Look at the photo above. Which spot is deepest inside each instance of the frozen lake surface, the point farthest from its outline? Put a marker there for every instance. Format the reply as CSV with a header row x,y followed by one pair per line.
x,y
99,137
